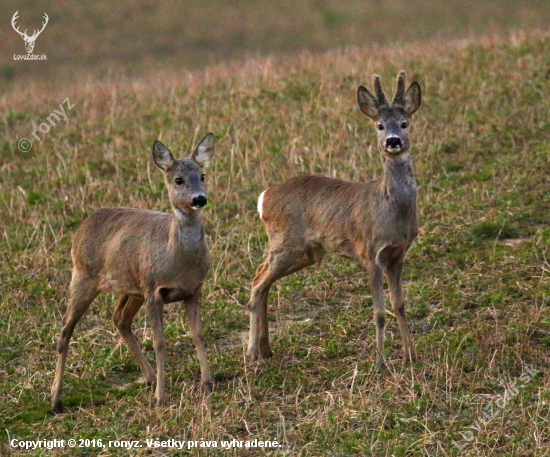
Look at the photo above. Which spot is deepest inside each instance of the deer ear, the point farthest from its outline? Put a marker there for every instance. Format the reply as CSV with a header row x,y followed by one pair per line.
x,y
204,151
162,156
367,103
412,99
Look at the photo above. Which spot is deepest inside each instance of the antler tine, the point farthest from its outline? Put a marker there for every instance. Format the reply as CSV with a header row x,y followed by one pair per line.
x,y
43,24
400,89
15,27
382,100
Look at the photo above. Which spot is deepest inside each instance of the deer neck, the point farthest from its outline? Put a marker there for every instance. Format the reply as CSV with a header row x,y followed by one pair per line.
x,y
398,183
186,232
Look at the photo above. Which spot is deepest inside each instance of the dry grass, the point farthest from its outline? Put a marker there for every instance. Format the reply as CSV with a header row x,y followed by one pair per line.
x,y
478,305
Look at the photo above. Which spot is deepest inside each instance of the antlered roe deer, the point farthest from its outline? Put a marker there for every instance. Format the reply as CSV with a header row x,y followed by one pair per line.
x,y
145,257
374,223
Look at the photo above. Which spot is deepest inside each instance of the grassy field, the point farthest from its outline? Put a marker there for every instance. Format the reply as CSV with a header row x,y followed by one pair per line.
x,y
477,280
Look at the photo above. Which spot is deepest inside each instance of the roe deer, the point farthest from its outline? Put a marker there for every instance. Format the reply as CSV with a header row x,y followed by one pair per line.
x,y
145,257
373,223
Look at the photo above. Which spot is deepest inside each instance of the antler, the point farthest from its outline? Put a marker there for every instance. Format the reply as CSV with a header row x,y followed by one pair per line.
x,y
24,34
382,100
399,90
13,19
35,34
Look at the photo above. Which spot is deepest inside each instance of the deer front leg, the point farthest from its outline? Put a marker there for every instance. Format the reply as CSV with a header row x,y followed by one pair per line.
x,y
377,287
155,311
193,308
393,274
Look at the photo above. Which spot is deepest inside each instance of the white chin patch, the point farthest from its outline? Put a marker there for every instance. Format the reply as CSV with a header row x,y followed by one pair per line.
x,y
194,208
181,215
393,150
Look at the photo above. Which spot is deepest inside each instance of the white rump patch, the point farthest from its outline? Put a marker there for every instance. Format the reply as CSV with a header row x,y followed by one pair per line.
x,y
261,203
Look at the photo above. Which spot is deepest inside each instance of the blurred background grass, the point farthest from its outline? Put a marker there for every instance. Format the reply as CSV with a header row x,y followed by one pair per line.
x,y
100,37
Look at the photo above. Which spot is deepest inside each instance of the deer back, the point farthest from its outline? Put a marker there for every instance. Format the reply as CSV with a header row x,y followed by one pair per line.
x,y
349,218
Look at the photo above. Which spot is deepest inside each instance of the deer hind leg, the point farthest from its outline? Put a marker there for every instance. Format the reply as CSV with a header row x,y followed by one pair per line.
x,y
193,308
83,290
393,274
279,263
123,316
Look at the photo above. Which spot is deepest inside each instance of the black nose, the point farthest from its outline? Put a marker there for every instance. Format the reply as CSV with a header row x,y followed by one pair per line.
x,y
199,202
393,142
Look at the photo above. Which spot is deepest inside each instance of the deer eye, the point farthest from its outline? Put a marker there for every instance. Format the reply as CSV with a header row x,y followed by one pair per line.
x,y
179,181
380,127
404,125
203,177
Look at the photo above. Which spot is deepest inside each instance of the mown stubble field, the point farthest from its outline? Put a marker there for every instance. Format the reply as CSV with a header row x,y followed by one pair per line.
x,y
477,280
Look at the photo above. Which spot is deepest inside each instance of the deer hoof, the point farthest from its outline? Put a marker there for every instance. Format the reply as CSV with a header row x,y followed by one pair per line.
x,y
252,356
57,407
267,353
381,365
207,387
410,355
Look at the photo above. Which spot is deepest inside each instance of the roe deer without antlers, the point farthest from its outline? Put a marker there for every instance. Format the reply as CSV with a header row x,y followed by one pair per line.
x,y
373,223
145,257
